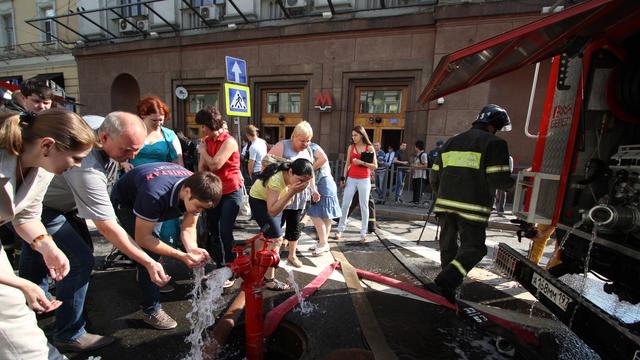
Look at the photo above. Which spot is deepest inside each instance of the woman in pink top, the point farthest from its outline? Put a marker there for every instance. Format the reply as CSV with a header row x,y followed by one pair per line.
x,y
219,154
357,174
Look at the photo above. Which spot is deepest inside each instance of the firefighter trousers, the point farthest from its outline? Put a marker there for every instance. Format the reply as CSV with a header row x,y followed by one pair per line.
x,y
458,259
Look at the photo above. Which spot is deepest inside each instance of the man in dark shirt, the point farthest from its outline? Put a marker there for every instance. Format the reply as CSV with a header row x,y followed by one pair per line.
x,y
433,154
401,162
150,194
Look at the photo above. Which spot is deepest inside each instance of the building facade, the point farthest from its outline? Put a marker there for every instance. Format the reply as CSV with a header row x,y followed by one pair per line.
x,y
348,63
41,49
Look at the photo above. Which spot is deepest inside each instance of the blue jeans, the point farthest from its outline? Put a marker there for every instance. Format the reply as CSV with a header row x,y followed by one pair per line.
x,y
150,291
400,175
381,186
72,289
220,221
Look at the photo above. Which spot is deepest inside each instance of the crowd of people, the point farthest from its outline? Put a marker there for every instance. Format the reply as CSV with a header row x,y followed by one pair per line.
x,y
126,173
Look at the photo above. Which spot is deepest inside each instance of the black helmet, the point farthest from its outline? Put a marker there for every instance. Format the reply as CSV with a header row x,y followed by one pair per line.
x,y
494,115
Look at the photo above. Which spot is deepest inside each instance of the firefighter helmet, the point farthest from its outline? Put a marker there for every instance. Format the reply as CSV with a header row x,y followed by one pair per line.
x,y
494,115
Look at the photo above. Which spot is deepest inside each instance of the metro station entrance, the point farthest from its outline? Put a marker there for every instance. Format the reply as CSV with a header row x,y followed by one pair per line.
x,y
381,110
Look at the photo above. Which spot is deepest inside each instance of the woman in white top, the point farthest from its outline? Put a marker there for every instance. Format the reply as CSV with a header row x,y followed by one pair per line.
x,y
32,149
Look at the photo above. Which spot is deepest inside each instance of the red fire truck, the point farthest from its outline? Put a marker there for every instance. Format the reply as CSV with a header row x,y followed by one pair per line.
x,y
585,178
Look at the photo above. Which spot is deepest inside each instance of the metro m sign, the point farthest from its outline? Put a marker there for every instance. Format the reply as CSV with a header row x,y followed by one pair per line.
x,y
323,101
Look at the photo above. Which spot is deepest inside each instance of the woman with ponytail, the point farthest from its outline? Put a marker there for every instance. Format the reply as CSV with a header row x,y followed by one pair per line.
x,y
32,149
272,192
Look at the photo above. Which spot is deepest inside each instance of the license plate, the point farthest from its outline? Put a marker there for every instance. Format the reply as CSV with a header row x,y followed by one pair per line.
x,y
551,292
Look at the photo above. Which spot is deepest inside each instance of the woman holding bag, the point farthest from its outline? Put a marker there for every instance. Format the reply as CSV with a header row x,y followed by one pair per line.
x,y
219,154
357,173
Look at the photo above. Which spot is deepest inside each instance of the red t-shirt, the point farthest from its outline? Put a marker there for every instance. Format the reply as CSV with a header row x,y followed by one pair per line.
x,y
358,171
229,173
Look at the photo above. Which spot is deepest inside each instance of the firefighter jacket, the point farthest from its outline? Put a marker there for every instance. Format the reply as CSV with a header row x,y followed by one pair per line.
x,y
468,170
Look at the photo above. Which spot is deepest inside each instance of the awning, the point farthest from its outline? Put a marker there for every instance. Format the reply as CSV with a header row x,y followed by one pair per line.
x,y
565,31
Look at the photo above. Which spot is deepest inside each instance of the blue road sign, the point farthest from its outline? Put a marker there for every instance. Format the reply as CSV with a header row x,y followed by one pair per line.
x,y
236,70
237,100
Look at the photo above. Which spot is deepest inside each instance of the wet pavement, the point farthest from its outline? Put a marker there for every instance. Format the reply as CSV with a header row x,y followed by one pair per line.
x,y
412,327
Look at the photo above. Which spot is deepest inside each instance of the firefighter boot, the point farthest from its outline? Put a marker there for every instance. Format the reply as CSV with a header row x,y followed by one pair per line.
x,y
448,281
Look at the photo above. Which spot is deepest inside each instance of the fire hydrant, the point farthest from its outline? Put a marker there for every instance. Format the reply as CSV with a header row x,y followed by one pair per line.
x,y
251,268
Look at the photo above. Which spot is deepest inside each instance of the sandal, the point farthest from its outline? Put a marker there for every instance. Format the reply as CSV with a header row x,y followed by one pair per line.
x,y
275,285
228,283
363,239
338,235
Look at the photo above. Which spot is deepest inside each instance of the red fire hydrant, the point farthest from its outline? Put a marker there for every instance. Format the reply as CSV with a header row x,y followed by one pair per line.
x,y
251,268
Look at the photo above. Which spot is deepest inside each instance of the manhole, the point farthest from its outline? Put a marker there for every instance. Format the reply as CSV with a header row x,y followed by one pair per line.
x,y
288,342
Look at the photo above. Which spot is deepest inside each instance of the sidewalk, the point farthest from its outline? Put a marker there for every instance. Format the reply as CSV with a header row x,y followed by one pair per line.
x,y
420,213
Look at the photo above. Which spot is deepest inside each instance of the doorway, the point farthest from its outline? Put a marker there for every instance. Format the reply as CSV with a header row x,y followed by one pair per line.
x,y
391,138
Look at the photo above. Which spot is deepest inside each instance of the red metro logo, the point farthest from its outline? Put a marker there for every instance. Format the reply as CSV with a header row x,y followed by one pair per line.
x,y
323,101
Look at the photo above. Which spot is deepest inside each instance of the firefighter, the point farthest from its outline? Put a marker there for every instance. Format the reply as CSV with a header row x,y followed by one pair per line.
x,y
468,170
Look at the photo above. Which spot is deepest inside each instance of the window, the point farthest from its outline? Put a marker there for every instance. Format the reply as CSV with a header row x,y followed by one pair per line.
x,y
283,102
48,25
133,10
380,101
8,36
198,102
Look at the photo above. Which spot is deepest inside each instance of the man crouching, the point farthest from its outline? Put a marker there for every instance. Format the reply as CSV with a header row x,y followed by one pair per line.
x,y
150,194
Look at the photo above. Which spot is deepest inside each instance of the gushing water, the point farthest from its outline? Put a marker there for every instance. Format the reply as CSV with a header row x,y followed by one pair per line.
x,y
206,299
306,308
594,236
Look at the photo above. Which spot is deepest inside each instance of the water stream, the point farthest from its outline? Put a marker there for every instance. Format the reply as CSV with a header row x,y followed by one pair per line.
x,y
594,236
306,308
206,300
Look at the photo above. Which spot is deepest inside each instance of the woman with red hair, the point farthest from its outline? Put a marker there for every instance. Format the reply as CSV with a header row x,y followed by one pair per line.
x,y
161,143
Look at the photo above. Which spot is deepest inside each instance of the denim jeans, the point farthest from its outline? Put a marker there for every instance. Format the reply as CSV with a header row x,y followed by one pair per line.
x,y
381,186
72,289
150,291
220,221
400,175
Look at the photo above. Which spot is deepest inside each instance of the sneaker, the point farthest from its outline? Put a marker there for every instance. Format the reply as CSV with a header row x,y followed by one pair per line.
x,y
86,342
160,320
319,250
167,288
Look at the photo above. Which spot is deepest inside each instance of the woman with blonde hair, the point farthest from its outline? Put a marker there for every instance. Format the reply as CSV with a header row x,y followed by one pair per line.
x,y
357,173
32,149
291,149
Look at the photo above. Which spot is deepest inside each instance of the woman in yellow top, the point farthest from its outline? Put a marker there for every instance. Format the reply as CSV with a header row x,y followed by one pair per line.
x,y
270,194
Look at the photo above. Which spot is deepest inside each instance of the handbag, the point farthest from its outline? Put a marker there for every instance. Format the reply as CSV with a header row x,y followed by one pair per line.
x,y
245,209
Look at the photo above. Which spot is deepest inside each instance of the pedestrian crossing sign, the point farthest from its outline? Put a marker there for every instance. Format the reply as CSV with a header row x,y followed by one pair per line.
x,y
237,100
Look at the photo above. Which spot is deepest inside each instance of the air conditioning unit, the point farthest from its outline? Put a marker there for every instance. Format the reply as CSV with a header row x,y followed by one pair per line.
x,y
292,4
126,27
143,25
210,13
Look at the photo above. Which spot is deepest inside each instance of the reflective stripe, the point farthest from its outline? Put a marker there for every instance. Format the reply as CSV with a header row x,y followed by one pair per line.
x,y
435,167
459,267
465,206
498,168
468,159
464,215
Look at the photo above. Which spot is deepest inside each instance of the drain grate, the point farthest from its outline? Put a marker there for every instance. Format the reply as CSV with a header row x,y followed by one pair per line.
x,y
504,263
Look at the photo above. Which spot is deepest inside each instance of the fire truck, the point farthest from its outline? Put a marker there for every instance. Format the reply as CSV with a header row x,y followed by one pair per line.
x,y
585,176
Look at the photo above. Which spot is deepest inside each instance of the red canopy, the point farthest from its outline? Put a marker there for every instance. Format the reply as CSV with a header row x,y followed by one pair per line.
x,y
565,31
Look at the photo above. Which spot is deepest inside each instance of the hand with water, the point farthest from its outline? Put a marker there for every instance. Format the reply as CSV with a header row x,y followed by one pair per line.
x,y
157,274
196,258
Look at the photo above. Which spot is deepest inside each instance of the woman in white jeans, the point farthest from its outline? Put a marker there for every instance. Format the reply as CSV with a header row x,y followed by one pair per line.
x,y
357,172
